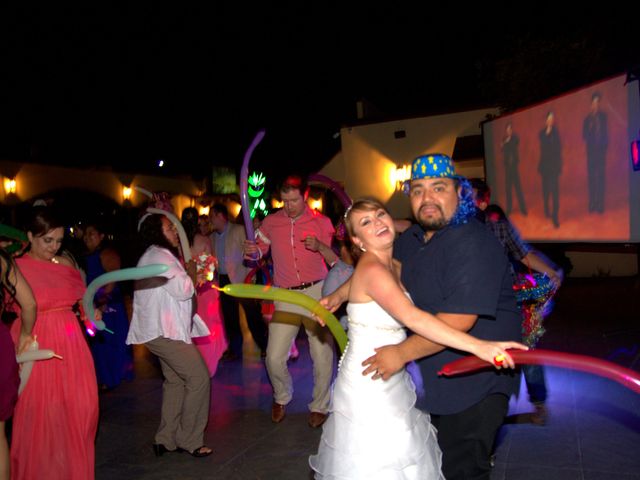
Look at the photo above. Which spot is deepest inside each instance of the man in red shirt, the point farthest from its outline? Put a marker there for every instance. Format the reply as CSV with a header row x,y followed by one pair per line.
x,y
299,240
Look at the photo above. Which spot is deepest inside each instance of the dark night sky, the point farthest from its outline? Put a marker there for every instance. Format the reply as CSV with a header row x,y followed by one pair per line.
x,y
125,86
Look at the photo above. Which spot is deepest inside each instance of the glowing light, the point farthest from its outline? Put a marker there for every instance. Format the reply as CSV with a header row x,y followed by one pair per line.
x,y
10,185
255,189
234,208
161,163
400,175
91,332
204,210
126,193
256,184
315,204
277,203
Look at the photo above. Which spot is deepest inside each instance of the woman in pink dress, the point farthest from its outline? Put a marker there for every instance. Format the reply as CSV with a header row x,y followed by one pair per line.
x,y
56,416
213,345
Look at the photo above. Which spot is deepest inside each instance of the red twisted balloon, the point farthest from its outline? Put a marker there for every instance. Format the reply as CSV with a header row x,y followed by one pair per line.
x,y
252,273
603,368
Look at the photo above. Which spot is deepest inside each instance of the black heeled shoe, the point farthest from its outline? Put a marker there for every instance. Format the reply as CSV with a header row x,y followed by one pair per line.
x,y
198,452
159,449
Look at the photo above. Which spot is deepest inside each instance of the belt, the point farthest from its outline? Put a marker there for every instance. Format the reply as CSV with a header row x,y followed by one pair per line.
x,y
302,286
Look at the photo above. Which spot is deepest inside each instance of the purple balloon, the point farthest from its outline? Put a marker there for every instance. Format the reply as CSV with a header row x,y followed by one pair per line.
x,y
333,186
244,179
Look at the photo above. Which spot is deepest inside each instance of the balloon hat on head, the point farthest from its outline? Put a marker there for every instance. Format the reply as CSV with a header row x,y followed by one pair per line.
x,y
439,165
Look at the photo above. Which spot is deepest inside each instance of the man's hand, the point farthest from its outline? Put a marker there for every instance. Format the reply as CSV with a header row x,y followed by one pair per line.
x,y
556,277
311,243
386,362
251,250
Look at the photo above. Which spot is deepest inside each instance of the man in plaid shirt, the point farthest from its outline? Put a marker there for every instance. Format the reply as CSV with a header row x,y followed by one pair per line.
x,y
518,251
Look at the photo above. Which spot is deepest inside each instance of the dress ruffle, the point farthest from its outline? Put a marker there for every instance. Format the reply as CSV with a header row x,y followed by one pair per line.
x,y
374,430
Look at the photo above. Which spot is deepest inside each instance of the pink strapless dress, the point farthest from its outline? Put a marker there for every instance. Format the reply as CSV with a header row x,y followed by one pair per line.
x,y
56,417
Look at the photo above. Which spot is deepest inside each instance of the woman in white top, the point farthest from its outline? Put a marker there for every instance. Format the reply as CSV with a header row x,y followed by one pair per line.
x,y
163,320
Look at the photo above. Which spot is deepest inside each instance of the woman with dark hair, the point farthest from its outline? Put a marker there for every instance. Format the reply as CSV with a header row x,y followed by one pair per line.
x,y
56,416
13,286
164,321
213,345
112,356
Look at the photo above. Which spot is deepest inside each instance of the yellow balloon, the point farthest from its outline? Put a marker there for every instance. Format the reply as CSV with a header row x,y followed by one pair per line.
x,y
246,290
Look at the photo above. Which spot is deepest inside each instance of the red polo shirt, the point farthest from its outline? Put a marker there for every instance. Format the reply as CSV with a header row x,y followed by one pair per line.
x,y
293,264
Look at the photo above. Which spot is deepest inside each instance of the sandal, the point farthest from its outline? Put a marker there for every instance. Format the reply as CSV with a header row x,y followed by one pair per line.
x,y
198,452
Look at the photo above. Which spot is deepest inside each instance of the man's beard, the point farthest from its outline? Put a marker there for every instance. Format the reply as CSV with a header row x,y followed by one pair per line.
x,y
432,224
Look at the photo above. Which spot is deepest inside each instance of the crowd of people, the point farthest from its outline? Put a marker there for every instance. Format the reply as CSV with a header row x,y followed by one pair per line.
x,y
446,279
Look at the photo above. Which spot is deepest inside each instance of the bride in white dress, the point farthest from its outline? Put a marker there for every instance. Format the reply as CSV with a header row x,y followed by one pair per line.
x,y
374,430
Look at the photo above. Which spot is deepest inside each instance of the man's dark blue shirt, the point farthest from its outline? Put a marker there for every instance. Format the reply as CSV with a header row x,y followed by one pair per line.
x,y
462,269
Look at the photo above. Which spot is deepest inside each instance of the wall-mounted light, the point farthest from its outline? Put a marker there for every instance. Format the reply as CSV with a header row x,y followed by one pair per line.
x,y
204,210
10,185
401,175
315,204
234,208
277,203
126,193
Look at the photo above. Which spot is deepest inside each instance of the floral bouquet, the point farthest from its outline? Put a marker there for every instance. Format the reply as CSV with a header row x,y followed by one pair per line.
x,y
205,271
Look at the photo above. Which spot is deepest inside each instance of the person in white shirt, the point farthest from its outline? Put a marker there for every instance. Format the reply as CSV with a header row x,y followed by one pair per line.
x,y
163,320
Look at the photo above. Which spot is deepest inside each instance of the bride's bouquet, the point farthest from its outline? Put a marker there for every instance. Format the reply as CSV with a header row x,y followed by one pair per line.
x,y
205,270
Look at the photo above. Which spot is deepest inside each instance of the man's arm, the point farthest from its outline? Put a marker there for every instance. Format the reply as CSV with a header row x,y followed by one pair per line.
x,y
522,252
537,263
390,359
255,250
315,245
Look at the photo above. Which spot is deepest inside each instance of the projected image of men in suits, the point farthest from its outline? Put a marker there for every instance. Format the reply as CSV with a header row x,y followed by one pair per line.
x,y
596,138
510,146
550,168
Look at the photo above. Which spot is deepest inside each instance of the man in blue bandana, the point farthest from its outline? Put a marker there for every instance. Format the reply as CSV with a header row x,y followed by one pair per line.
x,y
455,268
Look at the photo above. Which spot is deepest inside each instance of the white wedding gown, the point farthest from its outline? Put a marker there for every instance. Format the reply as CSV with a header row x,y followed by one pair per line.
x,y
374,430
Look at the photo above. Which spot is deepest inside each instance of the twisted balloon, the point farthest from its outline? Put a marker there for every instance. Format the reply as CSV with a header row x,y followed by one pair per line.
x,y
244,187
624,376
135,273
266,292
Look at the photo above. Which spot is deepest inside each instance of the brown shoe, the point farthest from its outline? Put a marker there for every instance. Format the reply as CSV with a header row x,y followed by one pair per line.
x,y
277,412
316,419
539,417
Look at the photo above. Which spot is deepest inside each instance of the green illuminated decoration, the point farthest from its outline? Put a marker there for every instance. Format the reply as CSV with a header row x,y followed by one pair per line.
x,y
256,184
255,189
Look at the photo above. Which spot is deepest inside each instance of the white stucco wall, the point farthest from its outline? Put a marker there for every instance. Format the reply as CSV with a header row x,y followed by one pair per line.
x,y
370,153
